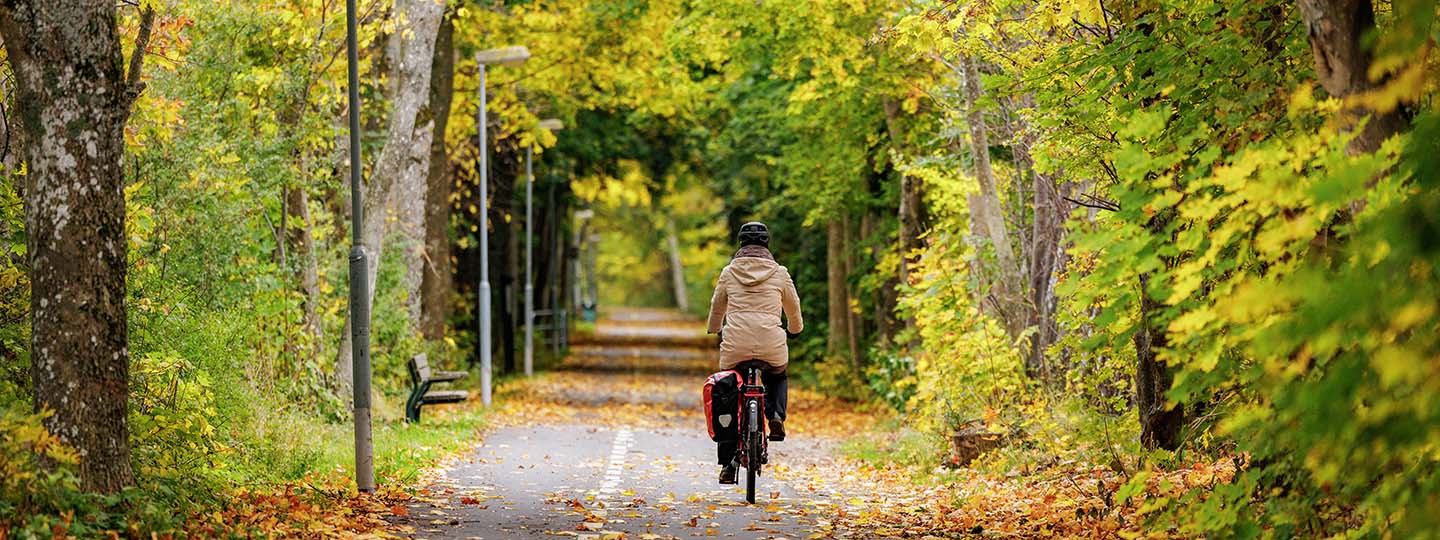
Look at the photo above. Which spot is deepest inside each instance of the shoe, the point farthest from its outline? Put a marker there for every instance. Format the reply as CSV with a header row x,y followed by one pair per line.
x,y
777,430
728,474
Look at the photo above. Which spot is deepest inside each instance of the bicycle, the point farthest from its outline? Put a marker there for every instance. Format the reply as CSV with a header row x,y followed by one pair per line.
x,y
753,451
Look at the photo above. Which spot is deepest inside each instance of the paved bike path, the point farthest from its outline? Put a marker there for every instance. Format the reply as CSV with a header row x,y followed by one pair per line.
x,y
612,445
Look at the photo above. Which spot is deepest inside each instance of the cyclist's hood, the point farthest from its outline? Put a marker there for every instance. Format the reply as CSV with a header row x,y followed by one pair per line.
x,y
751,271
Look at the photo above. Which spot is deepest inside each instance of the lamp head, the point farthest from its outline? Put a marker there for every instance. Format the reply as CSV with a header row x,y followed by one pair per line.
x,y
503,56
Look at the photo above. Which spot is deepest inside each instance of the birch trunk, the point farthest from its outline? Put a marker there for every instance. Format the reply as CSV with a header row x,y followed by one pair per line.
x,y
409,206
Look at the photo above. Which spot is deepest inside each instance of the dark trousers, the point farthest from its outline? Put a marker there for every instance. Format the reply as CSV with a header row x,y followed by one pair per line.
x,y
777,390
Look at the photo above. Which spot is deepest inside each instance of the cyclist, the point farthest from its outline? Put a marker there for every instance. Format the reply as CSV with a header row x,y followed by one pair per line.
x,y
750,295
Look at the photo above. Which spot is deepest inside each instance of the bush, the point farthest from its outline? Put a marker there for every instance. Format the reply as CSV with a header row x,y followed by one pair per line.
x,y
40,495
892,377
967,368
173,419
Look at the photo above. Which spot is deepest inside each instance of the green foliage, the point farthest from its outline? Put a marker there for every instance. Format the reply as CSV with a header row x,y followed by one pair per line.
x,y
1281,303
966,369
173,418
1351,338
892,377
40,495
1292,277
904,447
1100,376
14,293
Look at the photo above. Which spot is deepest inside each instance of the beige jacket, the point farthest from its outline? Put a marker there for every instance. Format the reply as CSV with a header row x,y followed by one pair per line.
x,y
749,298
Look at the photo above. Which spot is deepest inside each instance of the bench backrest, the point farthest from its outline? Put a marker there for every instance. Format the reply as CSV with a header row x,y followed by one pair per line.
x,y
420,367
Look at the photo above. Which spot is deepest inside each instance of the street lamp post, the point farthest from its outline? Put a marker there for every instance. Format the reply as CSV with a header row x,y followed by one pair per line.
x,y
551,124
359,277
506,56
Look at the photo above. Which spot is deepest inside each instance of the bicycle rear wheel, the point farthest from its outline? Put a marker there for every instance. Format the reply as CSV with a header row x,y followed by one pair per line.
x,y
753,433
753,448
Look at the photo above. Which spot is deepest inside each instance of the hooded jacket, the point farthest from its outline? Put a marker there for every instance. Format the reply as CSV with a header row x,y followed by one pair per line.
x,y
750,295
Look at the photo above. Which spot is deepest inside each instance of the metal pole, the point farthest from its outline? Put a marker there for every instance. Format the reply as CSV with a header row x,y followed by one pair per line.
x,y
529,277
484,289
359,275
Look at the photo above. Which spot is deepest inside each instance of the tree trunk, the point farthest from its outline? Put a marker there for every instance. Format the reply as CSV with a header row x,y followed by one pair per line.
x,y
852,319
1159,422
986,210
912,212
411,49
1044,257
556,254
544,250
912,206
466,272
409,207
886,296
504,174
838,342
1047,229
677,269
301,237
73,100
437,287
1342,62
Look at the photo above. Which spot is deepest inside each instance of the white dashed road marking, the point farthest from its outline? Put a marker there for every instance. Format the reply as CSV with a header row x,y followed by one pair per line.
x,y
623,439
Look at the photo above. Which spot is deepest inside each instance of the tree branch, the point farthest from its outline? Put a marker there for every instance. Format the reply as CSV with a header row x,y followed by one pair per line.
x,y
1109,32
1094,202
133,84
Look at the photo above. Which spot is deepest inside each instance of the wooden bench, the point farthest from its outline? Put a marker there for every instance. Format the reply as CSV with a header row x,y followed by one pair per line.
x,y
421,379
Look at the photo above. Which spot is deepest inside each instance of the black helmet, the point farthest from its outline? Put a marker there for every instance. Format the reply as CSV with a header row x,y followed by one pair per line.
x,y
754,233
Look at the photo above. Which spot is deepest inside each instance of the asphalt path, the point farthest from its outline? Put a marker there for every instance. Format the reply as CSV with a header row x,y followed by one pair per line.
x,y
612,445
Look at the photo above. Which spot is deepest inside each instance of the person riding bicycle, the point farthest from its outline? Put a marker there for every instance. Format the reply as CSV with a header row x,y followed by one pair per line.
x,y
750,295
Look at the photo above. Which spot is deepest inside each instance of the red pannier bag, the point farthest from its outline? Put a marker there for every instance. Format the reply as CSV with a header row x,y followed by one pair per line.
x,y
722,405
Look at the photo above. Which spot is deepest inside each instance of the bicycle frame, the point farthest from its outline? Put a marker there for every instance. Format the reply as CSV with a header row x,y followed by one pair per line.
x,y
752,396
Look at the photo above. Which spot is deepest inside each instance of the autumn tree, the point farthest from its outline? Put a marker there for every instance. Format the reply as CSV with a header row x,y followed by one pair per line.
x,y
73,99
